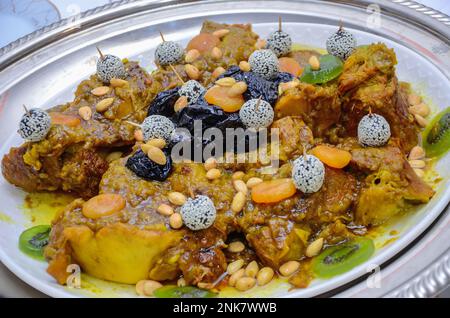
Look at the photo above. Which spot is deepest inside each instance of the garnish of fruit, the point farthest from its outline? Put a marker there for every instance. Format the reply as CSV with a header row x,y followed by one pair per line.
x,y
341,44
330,68
168,52
437,134
373,130
308,173
110,66
290,65
169,291
219,96
279,41
273,191
34,124
332,156
264,63
256,114
33,241
198,213
147,169
341,258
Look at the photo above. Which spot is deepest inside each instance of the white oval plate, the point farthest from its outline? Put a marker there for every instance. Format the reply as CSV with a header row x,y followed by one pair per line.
x,y
49,75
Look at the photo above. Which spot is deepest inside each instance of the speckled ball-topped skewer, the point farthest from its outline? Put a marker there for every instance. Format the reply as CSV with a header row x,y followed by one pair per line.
x,y
110,66
168,52
34,124
279,41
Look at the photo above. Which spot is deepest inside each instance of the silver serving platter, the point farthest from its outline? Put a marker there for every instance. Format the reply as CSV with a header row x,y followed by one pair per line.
x,y
43,69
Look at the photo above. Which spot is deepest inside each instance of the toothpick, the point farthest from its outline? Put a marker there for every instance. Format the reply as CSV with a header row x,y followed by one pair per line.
x,y
341,25
176,73
162,36
25,108
258,103
370,110
279,23
100,53
133,124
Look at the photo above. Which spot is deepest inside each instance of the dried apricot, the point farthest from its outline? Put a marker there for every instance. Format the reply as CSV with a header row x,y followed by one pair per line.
x,y
290,65
218,95
273,191
103,205
332,157
204,42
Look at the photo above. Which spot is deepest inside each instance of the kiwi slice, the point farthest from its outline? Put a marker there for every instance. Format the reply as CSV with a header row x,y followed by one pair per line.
x,y
330,68
437,135
341,258
33,241
171,291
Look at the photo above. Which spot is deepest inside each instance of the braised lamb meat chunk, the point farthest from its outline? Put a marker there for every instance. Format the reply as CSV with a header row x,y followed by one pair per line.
x,y
368,83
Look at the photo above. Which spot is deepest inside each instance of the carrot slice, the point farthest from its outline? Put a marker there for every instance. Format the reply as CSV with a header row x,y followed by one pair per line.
x,y
290,65
273,191
218,95
331,156
63,119
103,205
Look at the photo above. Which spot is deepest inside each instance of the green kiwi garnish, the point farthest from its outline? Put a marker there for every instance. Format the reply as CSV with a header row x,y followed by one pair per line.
x,y
341,258
437,135
170,291
33,241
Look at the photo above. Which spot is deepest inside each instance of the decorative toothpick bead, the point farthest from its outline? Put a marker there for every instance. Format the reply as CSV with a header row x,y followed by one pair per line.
x,y
341,44
198,213
373,130
256,113
34,125
168,52
308,173
279,42
265,63
192,90
157,126
110,66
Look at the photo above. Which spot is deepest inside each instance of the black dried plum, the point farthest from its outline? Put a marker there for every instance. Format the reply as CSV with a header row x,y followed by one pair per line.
x,y
146,169
164,102
257,85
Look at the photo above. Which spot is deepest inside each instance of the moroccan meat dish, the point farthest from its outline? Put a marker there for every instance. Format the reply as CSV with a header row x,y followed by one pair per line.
x,y
344,157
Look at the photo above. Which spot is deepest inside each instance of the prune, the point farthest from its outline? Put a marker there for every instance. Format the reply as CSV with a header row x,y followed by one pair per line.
x,y
143,167
163,103
258,86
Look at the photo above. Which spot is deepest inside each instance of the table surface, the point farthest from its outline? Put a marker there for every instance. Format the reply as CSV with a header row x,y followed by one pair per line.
x,y
29,15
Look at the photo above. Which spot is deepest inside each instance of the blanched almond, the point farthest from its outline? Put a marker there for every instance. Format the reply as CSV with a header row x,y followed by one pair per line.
x,y
244,66
176,198
147,287
104,104
234,278
252,269
192,55
236,247
100,91
226,81
421,121
233,267
113,156
421,109
238,202
157,142
165,209
138,135
118,82
245,283
176,221
238,175
213,174
210,163
414,99
85,112
416,153
253,181
156,155
221,33
418,164
192,72
289,268
314,62
264,276
217,72
216,53
240,186
314,248
419,172
181,102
